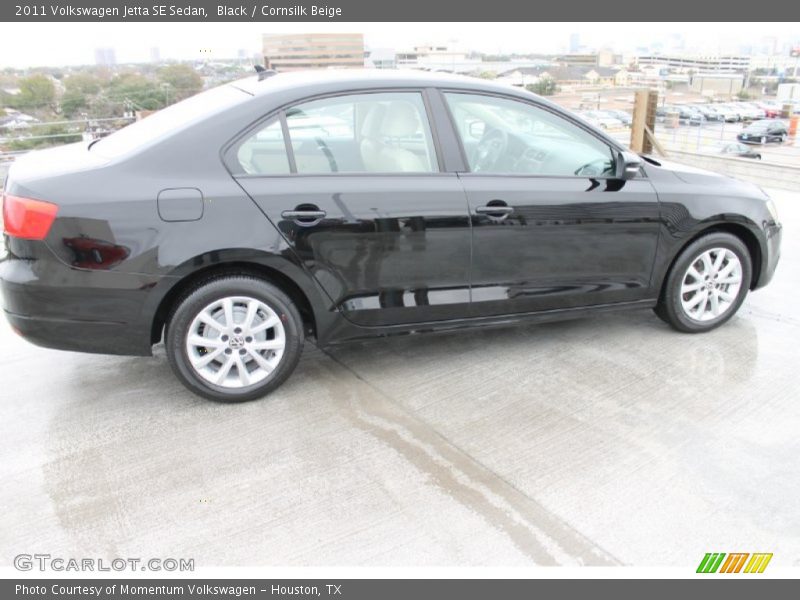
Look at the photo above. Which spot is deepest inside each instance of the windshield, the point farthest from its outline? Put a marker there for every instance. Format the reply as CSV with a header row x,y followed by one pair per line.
x,y
168,120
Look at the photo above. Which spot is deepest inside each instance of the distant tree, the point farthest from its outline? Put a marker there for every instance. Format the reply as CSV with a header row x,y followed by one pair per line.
x,y
37,92
487,75
546,86
135,90
79,90
183,81
743,95
51,135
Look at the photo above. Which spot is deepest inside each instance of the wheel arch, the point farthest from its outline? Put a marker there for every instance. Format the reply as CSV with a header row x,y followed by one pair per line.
x,y
302,294
737,229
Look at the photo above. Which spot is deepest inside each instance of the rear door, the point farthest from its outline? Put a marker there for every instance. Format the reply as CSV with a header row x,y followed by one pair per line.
x,y
353,183
552,227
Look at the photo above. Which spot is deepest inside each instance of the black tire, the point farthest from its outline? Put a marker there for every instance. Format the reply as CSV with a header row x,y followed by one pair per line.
x,y
208,291
670,308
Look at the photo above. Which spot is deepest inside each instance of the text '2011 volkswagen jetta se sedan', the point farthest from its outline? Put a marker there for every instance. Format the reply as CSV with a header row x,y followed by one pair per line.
x,y
349,205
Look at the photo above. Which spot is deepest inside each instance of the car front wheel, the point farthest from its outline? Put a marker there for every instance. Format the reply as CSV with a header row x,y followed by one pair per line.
x,y
234,338
707,284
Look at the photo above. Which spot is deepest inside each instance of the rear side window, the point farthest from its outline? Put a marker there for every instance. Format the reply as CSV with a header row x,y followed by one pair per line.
x,y
168,120
386,132
264,152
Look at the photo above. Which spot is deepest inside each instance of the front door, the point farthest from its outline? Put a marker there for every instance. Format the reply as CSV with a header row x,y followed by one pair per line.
x,y
552,227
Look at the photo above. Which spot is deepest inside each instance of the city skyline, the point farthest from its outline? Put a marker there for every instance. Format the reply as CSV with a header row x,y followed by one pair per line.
x,y
20,49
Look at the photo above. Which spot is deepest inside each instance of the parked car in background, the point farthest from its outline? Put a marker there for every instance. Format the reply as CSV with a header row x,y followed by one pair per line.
x,y
771,108
764,132
622,115
341,206
749,112
739,150
602,119
696,116
709,112
729,114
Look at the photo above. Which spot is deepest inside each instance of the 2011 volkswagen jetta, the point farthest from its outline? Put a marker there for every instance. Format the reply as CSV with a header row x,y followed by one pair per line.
x,y
349,205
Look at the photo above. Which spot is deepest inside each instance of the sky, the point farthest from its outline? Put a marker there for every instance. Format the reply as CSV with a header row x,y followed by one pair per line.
x,y
56,44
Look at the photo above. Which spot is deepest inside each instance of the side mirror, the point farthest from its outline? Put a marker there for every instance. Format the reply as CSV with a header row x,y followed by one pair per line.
x,y
628,165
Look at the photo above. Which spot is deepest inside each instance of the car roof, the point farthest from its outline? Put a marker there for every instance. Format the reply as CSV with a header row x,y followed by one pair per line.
x,y
362,78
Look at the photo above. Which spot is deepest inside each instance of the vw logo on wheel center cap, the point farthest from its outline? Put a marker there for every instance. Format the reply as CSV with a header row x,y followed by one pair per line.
x,y
236,342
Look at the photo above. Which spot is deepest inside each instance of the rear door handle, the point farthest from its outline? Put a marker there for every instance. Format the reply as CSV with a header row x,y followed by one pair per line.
x,y
305,215
495,208
311,215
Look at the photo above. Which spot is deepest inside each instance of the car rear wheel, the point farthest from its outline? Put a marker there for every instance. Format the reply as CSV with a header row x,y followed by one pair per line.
x,y
707,284
234,338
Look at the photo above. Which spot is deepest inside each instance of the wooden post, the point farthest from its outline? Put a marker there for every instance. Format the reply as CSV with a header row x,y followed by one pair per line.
x,y
644,119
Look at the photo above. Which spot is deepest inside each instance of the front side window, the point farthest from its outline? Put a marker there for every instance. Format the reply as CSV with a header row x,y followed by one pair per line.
x,y
362,133
506,136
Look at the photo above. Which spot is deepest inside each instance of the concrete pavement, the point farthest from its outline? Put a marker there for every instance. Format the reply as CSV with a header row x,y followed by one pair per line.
x,y
603,441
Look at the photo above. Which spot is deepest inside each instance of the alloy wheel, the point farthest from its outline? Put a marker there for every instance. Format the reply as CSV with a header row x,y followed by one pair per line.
x,y
711,284
235,342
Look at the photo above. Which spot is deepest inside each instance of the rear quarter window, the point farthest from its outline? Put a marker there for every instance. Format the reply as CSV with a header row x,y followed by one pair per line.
x,y
168,121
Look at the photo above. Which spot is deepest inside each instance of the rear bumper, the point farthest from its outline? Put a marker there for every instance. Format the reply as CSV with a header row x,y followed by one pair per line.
x,y
77,336
55,306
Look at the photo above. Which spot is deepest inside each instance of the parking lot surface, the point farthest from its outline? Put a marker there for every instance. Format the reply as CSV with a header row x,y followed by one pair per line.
x,y
603,441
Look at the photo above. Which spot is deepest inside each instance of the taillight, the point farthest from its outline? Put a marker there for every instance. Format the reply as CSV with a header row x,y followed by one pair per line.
x,y
27,218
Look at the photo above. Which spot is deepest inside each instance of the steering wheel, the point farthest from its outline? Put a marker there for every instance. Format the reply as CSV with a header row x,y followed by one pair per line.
x,y
328,154
593,168
490,150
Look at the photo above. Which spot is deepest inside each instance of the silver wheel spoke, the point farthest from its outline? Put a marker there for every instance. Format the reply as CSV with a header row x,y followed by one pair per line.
x,y
693,287
207,359
198,340
261,361
268,345
227,307
252,309
707,265
718,262
729,280
725,296
222,374
244,376
268,324
733,264
714,303
702,308
211,321
695,300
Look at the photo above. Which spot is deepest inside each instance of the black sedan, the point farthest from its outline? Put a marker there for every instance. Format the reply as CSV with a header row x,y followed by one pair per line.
x,y
348,205
764,132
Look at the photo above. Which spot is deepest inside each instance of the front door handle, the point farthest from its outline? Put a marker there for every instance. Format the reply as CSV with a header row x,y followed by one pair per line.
x,y
497,209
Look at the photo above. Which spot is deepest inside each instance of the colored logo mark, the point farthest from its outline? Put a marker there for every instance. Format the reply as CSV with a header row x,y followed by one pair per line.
x,y
735,562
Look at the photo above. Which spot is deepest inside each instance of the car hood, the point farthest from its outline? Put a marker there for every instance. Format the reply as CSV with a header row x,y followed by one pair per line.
x,y
695,176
